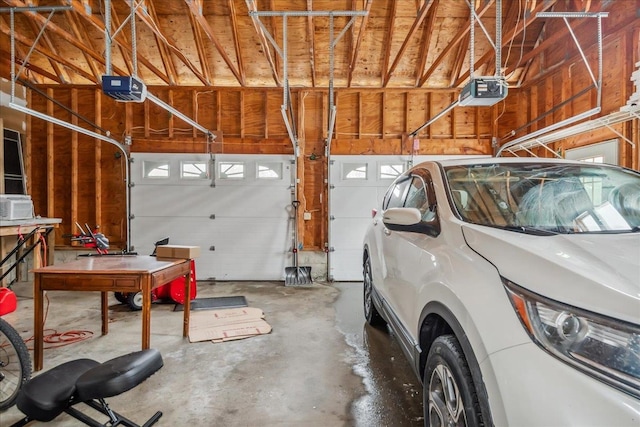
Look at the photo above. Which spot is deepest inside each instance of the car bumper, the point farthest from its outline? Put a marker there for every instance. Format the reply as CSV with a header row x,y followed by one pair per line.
x,y
528,387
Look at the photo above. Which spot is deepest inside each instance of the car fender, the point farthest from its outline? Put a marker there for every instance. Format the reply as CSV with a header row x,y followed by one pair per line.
x,y
480,316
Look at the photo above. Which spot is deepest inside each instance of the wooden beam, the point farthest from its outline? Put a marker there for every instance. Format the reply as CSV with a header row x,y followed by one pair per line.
x,y
62,33
198,15
458,62
51,164
242,116
74,157
81,33
126,55
356,47
529,61
163,50
458,38
389,37
236,41
414,27
80,9
312,43
29,42
274,34
98,158
265,45
202,53
154,26
427,31
540,7
60,71
32,70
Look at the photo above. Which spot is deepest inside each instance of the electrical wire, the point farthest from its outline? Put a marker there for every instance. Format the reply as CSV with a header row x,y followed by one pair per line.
x,y
56,339
524,37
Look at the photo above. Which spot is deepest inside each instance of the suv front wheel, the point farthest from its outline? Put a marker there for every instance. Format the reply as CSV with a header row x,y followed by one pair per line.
x,y
449,396
370,311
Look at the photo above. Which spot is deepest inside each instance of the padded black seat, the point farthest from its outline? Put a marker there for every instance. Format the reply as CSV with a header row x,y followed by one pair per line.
x,y
46,396
118,375
49,394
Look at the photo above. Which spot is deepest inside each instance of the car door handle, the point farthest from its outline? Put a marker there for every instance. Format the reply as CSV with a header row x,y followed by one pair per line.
x,y
387,232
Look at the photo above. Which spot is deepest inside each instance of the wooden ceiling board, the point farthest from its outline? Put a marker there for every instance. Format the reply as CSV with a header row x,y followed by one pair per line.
x,y
173,39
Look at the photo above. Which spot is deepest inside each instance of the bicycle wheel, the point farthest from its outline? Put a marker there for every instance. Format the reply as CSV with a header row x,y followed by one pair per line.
x,y
15,364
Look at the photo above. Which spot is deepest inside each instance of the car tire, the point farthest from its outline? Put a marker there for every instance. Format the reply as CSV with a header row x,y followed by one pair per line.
x,y
449,395
370,311
134,300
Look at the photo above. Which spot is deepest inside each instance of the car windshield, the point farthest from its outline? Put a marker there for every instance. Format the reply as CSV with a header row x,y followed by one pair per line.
x,y
558,198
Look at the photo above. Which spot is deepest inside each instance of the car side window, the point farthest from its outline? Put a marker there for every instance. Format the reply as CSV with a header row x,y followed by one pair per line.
x,y
396,195
417,198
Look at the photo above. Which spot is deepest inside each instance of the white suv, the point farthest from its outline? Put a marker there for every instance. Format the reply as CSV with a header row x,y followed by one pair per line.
x,y
513,287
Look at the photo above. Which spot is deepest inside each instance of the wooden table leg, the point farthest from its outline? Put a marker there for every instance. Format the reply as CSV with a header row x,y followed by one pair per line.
x,y
105,312
187,302
38,324
146,311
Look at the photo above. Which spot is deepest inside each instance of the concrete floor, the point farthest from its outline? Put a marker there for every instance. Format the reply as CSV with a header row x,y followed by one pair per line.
x,y
320,366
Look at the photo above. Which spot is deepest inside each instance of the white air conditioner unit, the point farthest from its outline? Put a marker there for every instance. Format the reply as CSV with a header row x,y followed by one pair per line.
x,y
483,91
15,206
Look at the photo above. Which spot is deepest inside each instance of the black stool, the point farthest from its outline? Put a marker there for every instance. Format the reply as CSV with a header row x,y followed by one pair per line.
x,y
49,394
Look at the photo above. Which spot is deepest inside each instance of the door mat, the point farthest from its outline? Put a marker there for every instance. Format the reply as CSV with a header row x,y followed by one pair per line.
x,y
214,303
227,324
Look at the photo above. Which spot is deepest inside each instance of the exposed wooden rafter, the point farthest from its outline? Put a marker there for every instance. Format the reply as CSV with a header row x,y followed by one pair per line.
x,y
397,43
126,55
457,39
264,43
387,42
312,42
540,7
202,53
425,42
169,42
59,70
196,10
356,47
416,24
81,33
236,41
167,60
52,27
79,8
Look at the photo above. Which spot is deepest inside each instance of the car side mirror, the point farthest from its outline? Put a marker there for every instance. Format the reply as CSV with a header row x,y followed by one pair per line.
x,y
401,216
410,219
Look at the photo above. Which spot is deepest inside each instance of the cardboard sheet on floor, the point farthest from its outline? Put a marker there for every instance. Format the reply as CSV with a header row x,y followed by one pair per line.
x,y
227,324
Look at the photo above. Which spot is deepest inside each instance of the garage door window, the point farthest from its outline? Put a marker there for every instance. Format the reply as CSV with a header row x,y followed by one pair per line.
x,y
154,169
269,171
354,171
390,171
194,170
231,170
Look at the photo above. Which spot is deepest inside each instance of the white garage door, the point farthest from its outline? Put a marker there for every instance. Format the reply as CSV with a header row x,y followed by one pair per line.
x,y
359,184
236,208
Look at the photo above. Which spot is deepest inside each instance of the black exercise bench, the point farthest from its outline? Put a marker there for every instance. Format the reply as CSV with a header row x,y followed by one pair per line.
x,y
58,390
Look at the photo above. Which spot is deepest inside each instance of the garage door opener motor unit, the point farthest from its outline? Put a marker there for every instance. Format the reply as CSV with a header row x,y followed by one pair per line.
x,y
124,88
483,91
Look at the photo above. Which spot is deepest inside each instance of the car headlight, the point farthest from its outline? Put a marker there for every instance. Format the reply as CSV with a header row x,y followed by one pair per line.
x,y
605,348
